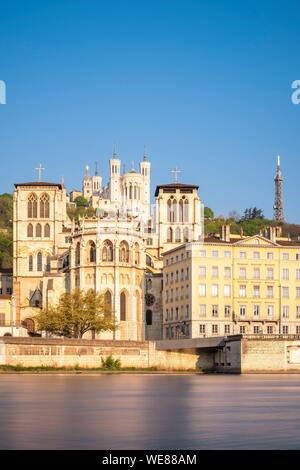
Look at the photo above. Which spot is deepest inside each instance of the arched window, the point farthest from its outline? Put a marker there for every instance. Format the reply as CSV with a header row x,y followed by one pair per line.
x,y
130,191
186,210
92,252
30,230
39,262
148,317
77,254
123,306
32,206
178,235
107,251
174,212
180,212
48,264
137,253
149,284
186,234
47,231
30,263
169,235
149,261
38,231
44,206
169,210
108,303
124,252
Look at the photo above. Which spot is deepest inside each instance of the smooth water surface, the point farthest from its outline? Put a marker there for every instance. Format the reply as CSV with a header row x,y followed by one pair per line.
x,y
149,412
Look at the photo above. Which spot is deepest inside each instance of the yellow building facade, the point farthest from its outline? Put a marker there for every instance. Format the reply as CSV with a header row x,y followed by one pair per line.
x,y
231,284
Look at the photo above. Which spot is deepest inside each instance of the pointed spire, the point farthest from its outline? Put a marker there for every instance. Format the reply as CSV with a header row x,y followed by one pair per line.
x,y
278,161
115,151
63,182
87,170
145,154
96,169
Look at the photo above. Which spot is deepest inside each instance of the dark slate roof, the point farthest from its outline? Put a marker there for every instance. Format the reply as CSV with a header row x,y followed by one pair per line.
x,y
175,186
39,183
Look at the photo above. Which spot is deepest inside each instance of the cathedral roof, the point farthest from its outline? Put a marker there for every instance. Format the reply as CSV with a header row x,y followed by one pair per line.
x,y
39,183
175,186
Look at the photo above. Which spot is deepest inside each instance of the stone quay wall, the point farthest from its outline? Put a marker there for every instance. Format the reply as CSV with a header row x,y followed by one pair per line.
x,y
56,352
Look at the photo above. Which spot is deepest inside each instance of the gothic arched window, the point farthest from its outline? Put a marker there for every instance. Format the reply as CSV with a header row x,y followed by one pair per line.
x,y
169,235
30,263
77,254
30,231
48,264
107,251
44,206
47,231
169,209
123,306
39,262
92,252
186,211
38,231
32,206
108,303
178,235
124,252
174,211
180,214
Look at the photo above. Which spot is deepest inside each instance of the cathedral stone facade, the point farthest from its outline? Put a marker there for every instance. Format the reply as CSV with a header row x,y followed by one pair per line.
x,y
117,252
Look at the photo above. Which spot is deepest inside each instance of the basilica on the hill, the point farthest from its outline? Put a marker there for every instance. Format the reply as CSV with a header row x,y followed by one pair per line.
x,y
118,251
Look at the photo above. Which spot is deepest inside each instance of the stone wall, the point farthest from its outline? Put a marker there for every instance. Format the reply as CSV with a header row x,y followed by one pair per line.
x,y
251,354
33,352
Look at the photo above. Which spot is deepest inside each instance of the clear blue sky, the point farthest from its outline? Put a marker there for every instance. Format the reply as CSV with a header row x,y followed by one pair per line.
x,y
205,85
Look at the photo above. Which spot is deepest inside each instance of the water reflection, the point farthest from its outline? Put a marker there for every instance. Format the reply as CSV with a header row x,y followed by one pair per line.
x,y
149,412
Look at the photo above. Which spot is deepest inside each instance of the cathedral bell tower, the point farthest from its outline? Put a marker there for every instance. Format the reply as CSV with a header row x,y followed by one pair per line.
x,y
114,183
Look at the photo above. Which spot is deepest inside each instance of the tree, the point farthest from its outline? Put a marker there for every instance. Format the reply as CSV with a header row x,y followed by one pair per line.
x,y
76,313
81,201
208,213
6,250
234,215
6,211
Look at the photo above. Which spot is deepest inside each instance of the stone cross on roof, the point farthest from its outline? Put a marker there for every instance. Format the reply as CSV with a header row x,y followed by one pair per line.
x,y
175,172
40,169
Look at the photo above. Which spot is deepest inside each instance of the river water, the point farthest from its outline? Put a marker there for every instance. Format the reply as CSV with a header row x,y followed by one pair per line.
x,y
149,412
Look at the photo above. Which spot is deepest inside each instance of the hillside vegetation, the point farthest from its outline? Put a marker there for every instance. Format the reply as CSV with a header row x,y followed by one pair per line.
x,y
6,231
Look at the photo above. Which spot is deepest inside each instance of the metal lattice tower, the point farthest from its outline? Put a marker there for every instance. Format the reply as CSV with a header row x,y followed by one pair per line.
x,y
278,206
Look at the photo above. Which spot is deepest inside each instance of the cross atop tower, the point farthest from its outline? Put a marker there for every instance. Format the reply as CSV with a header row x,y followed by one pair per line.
x,y
40,169
175,172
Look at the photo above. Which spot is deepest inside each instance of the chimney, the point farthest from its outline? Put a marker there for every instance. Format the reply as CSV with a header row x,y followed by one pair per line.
x,y
271,234
224,232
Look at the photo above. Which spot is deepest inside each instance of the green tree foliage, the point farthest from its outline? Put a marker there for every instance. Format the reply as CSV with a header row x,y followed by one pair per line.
x,y
252,213
76,212
80,201
75,314
6,233
208,213
6,250
6,211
